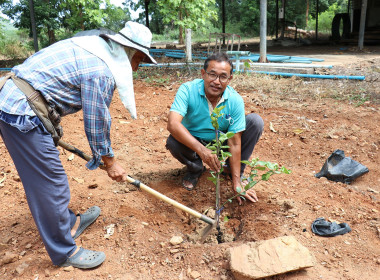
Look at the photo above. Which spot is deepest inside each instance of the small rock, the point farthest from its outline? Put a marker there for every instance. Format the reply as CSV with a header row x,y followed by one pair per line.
x,y
68,268
145,224
21,268
195,274
8,258
3,247
175,240
28,246
151,239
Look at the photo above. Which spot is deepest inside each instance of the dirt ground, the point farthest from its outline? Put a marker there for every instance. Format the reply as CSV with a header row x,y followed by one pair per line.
x,y
305,121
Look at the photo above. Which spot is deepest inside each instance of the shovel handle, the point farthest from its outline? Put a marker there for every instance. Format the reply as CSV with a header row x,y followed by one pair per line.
x,y
170,201
144,187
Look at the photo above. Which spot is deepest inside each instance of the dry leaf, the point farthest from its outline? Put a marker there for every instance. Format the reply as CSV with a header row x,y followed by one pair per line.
x,y
298,131
271,127
3,179
79,180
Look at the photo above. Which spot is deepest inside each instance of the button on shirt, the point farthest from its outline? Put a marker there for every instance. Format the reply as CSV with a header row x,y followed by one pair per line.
x,y
191,103
70,79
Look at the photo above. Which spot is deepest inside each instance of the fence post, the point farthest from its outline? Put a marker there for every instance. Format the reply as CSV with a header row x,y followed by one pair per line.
x,y
188,45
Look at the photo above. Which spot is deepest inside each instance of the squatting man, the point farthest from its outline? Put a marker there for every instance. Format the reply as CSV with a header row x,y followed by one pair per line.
x,y
190,127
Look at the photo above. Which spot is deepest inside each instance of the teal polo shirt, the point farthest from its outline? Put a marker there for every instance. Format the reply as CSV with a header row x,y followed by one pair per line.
x,y
191,103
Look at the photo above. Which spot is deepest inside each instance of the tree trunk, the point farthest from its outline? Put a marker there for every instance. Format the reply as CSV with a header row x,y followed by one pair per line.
x,y
180,37
283,20
147,13
81,17
51,36
307,11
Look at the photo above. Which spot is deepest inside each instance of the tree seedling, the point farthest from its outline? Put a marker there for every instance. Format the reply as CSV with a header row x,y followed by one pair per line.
x,y
259,170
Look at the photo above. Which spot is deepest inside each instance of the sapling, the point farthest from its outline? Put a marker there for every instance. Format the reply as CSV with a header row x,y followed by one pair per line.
x,y
219,148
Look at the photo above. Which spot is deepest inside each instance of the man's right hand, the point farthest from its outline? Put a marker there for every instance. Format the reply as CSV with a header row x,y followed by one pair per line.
x,y
210,159
114,170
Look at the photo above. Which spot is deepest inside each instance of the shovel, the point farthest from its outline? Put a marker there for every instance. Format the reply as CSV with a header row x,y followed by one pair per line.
x,y
155,193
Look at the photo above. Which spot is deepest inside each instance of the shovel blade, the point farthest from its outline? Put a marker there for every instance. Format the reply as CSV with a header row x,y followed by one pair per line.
x,y
205,232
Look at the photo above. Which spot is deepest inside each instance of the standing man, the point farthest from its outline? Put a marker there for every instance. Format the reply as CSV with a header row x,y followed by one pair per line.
x,y
73,74
189,124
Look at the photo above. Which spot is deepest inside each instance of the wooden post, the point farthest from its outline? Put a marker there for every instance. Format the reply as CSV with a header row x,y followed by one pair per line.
x,y
263,31
188,45
363,14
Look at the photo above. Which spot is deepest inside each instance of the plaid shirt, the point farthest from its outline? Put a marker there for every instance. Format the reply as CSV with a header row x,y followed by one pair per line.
x,y
70,79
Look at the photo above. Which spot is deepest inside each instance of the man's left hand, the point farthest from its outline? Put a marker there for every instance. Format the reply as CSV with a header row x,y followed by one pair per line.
x,y
249,194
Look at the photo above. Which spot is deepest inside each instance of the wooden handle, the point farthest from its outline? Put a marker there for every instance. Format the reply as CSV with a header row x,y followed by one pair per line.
x,y
170,201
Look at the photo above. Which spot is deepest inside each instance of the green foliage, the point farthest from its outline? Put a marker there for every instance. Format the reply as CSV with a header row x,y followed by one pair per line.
x,y
116,17
157,81
13,49
259,171
325,18
358,99
60,19
14,43
187,14
82,14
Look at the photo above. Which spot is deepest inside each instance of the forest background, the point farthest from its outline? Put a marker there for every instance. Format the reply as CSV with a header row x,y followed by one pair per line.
x,y
168,19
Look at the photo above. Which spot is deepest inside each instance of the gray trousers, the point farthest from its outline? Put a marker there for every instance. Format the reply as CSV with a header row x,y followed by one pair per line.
x,y
251,135
46,187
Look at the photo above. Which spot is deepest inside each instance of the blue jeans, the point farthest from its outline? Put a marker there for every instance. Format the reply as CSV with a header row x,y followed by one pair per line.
x,y
46,187
249,139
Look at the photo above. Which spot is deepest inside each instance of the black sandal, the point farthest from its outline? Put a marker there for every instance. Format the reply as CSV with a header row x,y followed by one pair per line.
x,y
192,178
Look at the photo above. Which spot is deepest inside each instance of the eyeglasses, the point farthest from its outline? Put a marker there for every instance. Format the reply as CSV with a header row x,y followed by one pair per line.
x,y
222,78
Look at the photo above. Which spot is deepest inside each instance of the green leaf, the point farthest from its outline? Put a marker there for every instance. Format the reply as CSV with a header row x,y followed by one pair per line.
x,y
238,189
230,134
260,167
265,177
225,219
212,179
285,171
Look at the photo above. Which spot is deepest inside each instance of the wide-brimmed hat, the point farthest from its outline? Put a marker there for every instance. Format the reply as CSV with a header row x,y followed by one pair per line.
x,y
134,35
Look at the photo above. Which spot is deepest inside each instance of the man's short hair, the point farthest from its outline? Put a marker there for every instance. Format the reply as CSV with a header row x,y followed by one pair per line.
x,y
219,57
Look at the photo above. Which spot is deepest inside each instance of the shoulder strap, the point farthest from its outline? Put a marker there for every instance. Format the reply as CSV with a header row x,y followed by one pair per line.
x,y
38,104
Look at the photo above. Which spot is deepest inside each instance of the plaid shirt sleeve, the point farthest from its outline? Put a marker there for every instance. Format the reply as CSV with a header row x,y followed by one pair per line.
x,y
96,97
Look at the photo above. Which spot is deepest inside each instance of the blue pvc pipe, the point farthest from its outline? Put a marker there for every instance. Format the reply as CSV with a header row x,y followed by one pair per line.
x,y
5,69
313,76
